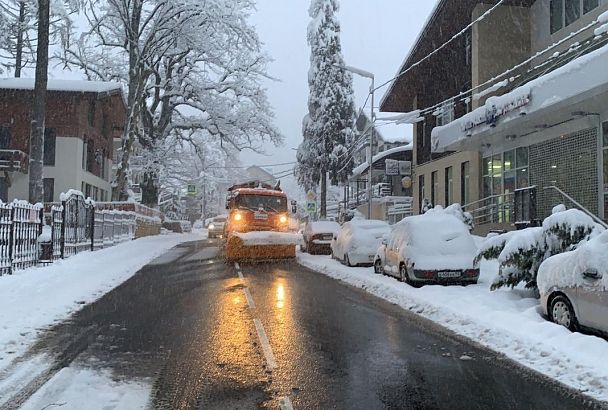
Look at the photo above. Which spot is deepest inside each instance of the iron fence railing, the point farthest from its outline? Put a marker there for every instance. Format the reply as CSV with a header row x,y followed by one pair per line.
x,y
75,225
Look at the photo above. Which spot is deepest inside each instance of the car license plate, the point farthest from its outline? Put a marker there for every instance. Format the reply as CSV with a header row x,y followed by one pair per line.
x,y
449,274
260,215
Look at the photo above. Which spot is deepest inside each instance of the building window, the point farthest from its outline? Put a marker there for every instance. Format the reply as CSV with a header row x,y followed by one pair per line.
x,y
421,194
589,5
84,154
445,115
90,156
5,137
449,186
557,15
434,188
465,181
48,186
573,11
605,140
50,140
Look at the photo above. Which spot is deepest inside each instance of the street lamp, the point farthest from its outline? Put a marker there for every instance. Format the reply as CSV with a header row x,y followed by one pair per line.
x,y
369,75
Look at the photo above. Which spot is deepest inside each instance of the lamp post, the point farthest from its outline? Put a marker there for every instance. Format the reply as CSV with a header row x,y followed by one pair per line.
x,y
369,75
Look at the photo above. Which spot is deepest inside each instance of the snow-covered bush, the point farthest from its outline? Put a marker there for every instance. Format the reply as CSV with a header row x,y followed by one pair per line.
x,y
520,253
456,210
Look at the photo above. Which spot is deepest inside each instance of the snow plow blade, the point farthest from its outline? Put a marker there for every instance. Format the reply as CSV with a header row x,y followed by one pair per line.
x,y
260,246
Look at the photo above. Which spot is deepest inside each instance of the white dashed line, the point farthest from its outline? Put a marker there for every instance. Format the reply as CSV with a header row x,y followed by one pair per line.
x,y
237,266
285,403
240,275
250,301
271,364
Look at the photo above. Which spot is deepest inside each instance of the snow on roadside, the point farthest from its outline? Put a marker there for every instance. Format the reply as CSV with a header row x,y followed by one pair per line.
x,y
33,299
507,321
72,387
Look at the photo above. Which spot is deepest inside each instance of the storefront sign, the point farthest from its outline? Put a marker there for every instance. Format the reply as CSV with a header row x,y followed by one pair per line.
x,y
493,113
391,167
405,168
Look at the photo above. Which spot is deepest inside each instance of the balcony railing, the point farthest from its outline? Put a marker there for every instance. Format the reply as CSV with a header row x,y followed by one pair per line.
x,y
12,160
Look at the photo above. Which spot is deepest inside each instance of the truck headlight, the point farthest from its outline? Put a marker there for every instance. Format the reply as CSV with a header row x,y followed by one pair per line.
x,y
211,226
238,217
283,219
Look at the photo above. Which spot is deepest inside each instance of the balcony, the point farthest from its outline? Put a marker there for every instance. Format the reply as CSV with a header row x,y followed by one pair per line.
x,y
12,160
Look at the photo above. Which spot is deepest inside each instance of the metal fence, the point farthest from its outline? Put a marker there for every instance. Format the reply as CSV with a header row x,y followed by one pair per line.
x,y
75,226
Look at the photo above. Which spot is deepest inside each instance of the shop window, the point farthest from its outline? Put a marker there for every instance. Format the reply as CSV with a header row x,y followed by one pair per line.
x,y
449,186
48,186
557,15
589,5
572,11
605,133
434,188
522,157
50,141
465,181
509,160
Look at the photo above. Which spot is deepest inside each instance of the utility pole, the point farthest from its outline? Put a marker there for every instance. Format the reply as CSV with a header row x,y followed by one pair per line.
x,y
371,155
39,105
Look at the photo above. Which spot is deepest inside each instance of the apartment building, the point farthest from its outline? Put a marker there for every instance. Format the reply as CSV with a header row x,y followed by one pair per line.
x,y
82,119
518,102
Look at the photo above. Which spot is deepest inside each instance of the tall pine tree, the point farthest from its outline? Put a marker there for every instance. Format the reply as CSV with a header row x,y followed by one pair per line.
x,y
328,127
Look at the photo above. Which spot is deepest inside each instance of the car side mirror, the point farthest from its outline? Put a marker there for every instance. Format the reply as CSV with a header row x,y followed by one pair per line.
x,y
335,237
592,274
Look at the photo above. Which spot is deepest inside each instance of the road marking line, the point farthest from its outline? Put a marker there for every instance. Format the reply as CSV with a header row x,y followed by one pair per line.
x,y
271,364
285,403
241,275
250,301
237,266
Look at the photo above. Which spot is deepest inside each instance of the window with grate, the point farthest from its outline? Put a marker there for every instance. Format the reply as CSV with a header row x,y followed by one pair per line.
x,y
589,5
449,186
465,181
50,141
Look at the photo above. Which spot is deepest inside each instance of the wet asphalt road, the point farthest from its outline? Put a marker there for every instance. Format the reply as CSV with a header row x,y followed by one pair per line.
x,y
187,322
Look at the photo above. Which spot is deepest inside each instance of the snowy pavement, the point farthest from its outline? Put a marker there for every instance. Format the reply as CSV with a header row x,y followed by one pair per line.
x,y
33,300
507,321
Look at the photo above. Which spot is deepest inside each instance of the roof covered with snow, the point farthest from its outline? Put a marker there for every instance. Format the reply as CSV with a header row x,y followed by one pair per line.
x,y
81,86
392,132
586,74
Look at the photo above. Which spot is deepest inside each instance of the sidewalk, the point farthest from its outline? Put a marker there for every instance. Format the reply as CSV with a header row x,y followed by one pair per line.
x,y
507,321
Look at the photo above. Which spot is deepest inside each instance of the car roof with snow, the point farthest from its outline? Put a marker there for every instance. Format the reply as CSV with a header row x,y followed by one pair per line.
x,y
323,226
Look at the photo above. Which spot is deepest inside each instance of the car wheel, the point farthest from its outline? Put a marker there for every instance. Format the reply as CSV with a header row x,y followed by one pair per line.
x,y
378,266
347,260
562,313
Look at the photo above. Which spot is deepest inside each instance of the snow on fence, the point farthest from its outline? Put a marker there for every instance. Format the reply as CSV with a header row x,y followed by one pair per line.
x,y
75,225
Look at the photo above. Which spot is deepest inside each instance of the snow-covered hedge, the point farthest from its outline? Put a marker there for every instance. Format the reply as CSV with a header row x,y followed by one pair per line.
x,y
520,253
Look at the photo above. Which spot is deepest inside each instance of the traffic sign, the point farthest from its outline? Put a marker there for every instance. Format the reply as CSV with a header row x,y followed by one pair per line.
x,y
311,196
311,207
191,190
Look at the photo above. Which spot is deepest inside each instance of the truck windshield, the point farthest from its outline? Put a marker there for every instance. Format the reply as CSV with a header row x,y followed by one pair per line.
x,y
265,202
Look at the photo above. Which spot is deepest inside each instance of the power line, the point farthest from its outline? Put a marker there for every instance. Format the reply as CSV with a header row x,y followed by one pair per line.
x,y
441,47
247,166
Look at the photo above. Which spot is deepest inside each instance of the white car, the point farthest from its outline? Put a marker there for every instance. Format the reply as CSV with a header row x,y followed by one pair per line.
x,y
216,226
574,286
358,240
432,248
317,237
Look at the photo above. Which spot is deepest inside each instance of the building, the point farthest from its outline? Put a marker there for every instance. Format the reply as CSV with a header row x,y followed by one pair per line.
x,y
82,118
516,103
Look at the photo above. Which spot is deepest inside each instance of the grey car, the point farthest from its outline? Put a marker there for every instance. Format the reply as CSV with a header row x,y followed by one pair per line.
x,y
574,287
216,227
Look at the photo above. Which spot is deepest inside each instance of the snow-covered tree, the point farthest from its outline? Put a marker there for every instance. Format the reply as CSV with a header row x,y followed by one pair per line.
x,y
328,131
189,66
520,253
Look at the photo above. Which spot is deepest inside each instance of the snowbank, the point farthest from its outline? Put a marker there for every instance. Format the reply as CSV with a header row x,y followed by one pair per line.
x,y
36,298
566,269
506,321
268,238
73,387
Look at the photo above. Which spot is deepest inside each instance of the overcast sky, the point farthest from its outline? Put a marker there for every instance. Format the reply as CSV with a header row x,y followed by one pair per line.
x,y
376,36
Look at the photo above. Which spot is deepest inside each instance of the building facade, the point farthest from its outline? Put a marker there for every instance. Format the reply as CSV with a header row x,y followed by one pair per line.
x,y
82,119
525,109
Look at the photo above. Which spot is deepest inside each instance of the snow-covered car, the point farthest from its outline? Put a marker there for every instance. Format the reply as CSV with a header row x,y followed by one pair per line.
x,y
216,226
198,224
356,243
574,286
317,237
432,248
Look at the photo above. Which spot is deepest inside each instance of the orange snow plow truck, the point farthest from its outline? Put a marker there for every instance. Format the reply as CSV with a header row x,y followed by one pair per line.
x,y
257,224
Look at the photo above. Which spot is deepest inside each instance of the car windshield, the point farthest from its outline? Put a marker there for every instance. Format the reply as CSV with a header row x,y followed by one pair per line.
x,y
303,204
262,202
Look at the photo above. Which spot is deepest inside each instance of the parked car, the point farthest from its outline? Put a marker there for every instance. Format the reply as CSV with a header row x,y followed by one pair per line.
x,y
432,248
574,286
356,243
317,237
198,224
216,226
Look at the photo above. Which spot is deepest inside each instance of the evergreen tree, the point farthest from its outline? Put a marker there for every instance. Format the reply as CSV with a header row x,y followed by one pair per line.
x,y
328,128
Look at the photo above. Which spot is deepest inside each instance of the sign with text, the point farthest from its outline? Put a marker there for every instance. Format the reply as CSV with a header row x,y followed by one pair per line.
x,y
405,168
391,167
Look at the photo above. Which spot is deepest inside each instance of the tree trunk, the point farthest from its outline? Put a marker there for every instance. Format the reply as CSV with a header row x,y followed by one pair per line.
x,y
149,190
19,50
39,105
135,89
323,193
